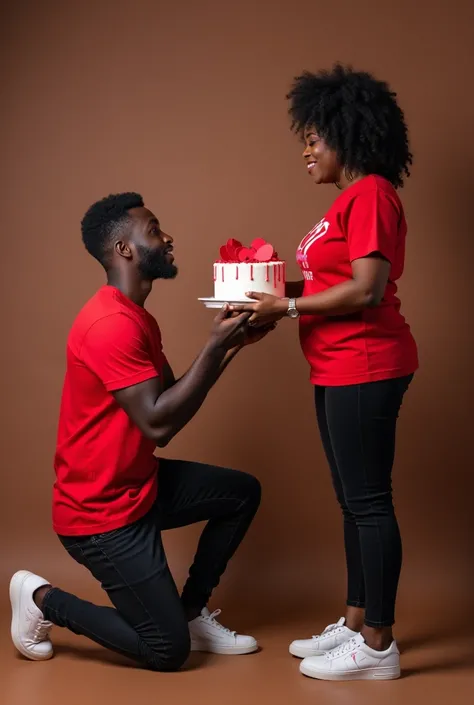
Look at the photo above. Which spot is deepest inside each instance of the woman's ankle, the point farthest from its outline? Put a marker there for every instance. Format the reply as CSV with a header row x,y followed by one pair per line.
x,y
378,638
355,618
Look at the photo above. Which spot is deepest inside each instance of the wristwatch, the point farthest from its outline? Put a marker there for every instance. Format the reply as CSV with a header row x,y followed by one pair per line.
x,y
292,311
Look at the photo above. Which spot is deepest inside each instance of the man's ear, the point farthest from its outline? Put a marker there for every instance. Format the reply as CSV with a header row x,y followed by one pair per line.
x,y
123,249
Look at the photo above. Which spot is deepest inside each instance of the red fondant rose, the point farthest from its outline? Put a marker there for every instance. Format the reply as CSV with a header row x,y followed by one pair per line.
x,y
259,251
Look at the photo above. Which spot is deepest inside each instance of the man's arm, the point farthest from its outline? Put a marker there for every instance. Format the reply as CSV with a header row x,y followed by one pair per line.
x,y
252,335
167,375
161,411
169,378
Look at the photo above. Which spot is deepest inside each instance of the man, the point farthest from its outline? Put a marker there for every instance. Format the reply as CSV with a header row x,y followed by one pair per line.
x,y
112,497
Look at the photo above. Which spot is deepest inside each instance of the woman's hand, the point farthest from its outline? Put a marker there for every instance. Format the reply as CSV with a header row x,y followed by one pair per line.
x,y
265,310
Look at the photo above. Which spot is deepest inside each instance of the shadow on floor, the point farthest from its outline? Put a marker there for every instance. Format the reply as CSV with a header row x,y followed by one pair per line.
x,y
101,655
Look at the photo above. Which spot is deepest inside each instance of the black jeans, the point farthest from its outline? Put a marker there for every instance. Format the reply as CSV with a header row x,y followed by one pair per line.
x,y
357,425
149,622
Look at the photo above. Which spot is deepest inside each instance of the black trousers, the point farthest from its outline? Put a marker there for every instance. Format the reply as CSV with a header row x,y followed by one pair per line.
x,y
357,425
148,622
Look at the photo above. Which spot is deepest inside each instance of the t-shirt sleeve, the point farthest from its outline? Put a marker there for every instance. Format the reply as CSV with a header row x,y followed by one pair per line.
x,y
372,226
116,349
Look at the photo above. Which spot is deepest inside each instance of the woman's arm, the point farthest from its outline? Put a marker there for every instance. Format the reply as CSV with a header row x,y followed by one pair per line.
x,y
294,289
365,289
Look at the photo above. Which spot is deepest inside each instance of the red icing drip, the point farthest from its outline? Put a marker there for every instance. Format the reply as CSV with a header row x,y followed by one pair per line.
x,y
267,276
215,272
251,272
222,269
237,271
274,276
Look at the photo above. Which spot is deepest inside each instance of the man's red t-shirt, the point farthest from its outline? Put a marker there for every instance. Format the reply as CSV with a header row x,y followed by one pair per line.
x,y
375,343
106,471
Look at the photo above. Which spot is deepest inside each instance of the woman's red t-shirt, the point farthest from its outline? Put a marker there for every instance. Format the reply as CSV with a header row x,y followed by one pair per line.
x,y
375,343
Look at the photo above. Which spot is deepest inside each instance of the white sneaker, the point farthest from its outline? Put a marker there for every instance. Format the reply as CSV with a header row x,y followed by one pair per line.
x,y
354,660
332,636
29,628
208,635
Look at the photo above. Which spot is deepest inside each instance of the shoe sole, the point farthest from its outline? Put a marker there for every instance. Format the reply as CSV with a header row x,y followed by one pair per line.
x,y
223,650
16,584
369,674
301,653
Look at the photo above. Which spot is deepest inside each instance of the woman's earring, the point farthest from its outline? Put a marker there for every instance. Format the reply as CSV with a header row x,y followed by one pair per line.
x,y
349,177
348,174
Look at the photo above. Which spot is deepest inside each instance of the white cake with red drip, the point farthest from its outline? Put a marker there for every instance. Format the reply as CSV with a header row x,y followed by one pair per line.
x,y
241,269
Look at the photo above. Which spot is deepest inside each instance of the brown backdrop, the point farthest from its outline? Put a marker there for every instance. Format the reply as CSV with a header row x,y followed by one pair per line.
x,y
184,102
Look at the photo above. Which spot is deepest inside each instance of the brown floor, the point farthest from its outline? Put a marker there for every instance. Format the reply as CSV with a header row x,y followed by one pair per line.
x,y
438,667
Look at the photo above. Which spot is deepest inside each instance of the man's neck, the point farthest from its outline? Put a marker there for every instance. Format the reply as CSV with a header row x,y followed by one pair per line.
x,y
135,289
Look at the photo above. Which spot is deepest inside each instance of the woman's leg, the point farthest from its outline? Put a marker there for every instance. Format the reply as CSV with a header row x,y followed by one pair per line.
x,y
361,421
355,576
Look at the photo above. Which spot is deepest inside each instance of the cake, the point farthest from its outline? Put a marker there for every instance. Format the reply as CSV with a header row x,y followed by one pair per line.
x,y
240,269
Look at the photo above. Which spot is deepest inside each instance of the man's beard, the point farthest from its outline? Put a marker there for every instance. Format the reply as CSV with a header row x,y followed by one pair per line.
x,y
154,264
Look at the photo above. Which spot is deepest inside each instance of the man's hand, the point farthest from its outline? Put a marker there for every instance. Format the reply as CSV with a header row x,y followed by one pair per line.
x,y
254,334
229,329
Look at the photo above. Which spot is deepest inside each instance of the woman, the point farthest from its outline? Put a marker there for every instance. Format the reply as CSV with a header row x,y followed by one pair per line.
x,y
359,347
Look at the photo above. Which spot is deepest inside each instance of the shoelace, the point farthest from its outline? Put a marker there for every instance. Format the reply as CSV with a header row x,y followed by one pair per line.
x,y
212,620
342,649
42,630
331,628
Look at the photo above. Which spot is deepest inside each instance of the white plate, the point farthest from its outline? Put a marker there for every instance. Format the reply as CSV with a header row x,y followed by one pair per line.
x,y
211,302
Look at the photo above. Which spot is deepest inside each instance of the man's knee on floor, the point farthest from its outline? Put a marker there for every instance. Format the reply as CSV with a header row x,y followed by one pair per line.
x,y
169,655
177,654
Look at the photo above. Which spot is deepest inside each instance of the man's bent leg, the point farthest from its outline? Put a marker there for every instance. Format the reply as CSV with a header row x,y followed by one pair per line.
x,y
192,492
